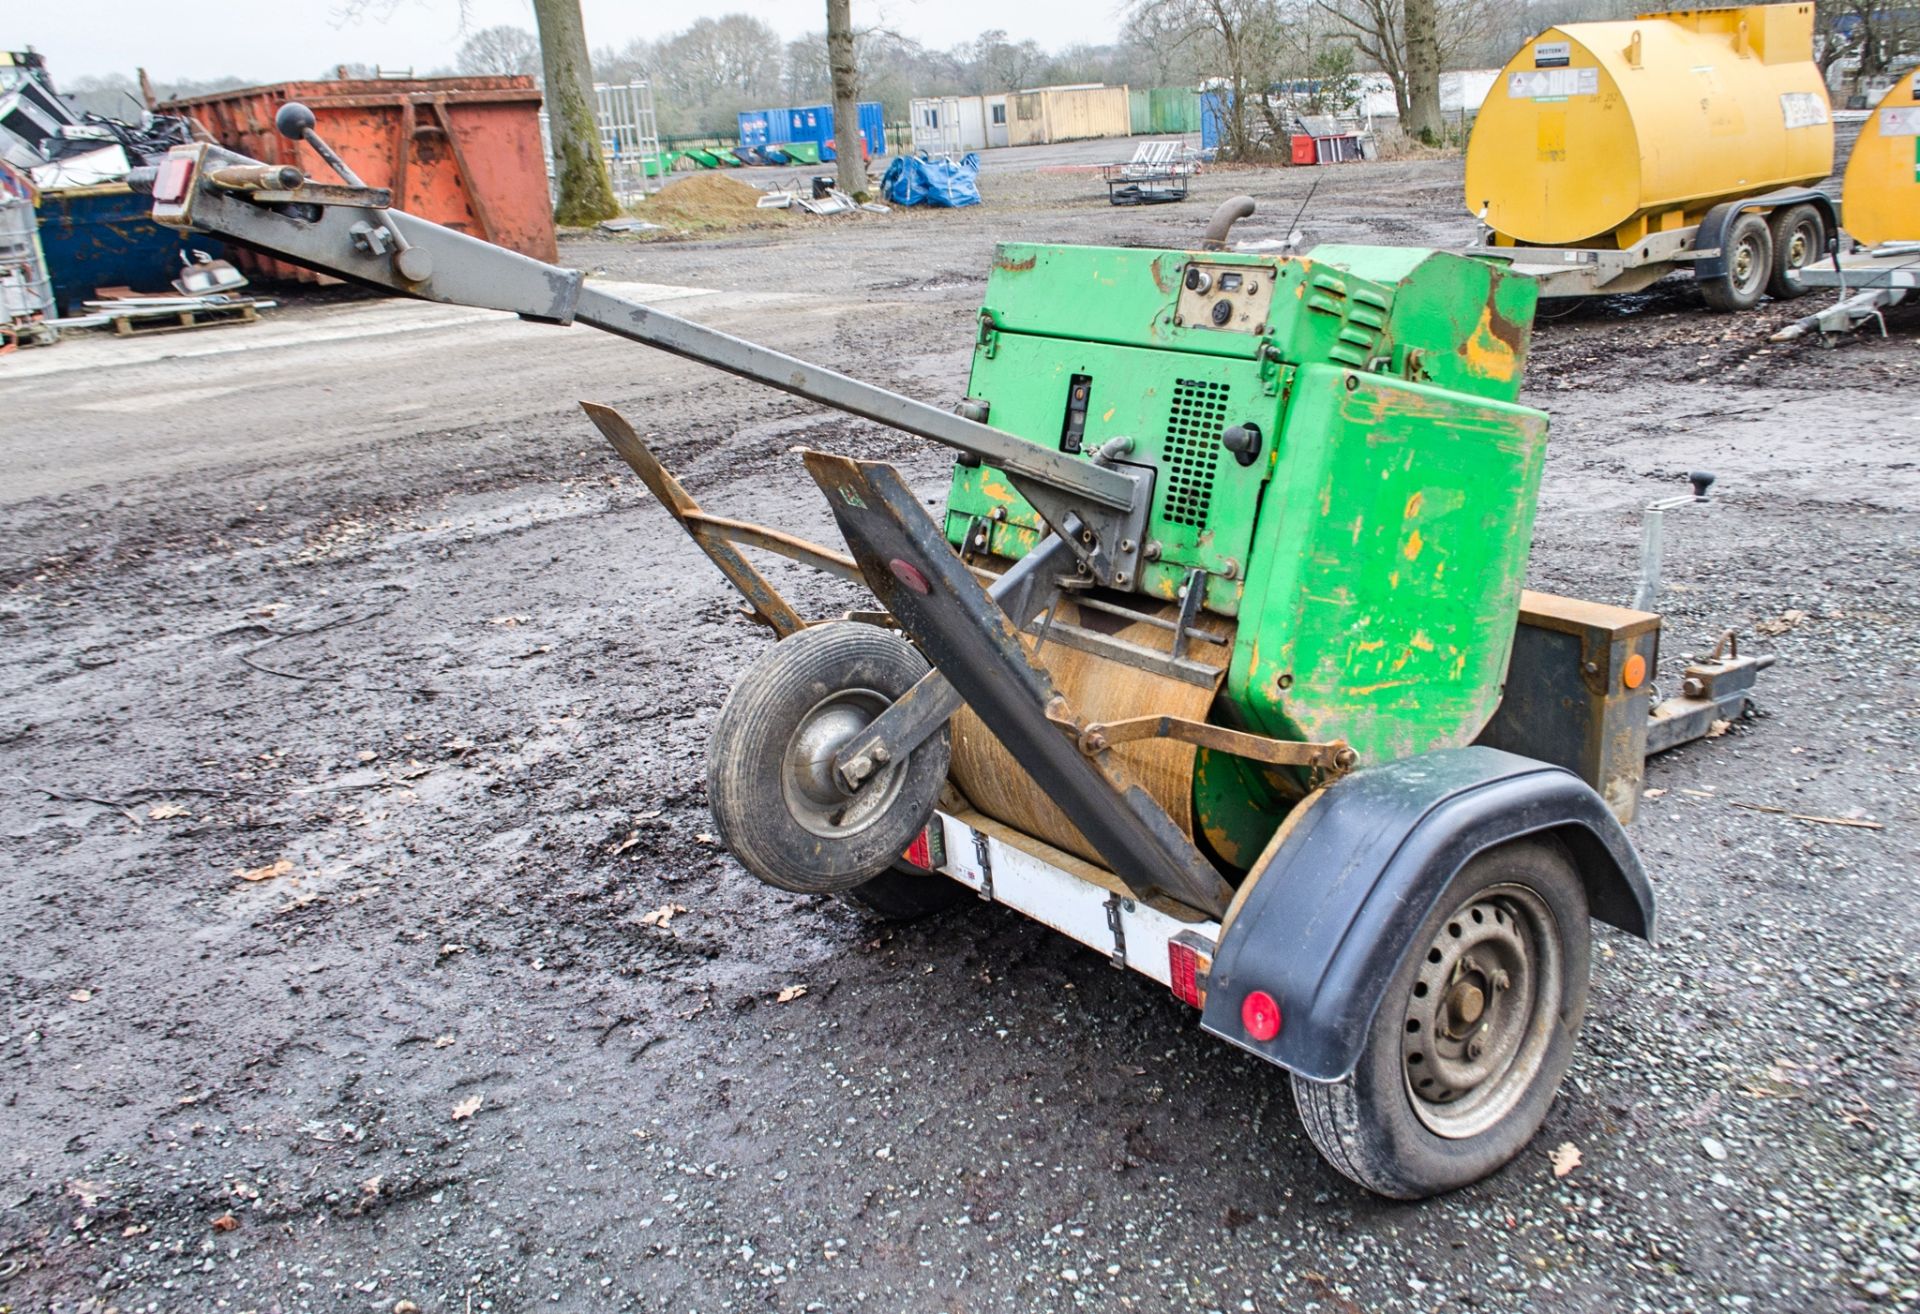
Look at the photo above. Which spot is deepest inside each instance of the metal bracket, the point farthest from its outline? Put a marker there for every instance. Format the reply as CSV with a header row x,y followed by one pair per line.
x,y
1115,903
1190,598
1096,737
985,860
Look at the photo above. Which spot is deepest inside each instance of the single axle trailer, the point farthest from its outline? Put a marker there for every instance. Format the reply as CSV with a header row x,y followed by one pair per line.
x,y
1218,659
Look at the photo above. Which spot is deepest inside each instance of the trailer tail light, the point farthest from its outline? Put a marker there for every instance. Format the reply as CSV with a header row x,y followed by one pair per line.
x,y
171,184
1260,1015
1189,960
929,849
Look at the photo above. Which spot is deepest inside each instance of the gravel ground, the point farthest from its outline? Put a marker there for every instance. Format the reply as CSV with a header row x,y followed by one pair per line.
x,y
504,1033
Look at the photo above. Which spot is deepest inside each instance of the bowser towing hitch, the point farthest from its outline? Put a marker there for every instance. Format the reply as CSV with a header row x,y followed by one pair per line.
x,y
1218,660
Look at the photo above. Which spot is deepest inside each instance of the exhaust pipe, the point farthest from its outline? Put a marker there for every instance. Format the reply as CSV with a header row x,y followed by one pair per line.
x,y
1231,211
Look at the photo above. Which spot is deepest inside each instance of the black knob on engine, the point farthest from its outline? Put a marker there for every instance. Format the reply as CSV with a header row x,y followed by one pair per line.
x,y
1243,440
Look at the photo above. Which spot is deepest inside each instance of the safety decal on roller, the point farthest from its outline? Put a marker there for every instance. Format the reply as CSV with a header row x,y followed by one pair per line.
x,y
1553,83
1900,123
1803,109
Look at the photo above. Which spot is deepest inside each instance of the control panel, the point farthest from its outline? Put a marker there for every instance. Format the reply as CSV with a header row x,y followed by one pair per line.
x,y
1231,298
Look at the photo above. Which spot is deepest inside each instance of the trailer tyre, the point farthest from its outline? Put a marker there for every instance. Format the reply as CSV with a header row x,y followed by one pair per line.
x,y
1749,261
1799,239
1473,1036
770,781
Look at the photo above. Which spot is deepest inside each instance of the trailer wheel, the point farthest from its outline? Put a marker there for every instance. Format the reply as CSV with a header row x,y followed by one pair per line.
x,y
1799,238
770,781
1474,1034
1749,260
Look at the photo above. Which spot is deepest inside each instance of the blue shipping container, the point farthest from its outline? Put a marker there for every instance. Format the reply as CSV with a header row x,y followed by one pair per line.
x,y
814,123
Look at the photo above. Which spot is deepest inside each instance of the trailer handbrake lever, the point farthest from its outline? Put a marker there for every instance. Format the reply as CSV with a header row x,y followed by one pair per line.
x,y
374,235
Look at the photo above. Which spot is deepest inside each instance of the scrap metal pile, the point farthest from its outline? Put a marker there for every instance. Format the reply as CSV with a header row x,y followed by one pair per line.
x,y
63,184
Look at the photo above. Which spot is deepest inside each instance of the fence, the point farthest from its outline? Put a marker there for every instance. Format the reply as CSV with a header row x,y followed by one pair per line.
x,y
629,136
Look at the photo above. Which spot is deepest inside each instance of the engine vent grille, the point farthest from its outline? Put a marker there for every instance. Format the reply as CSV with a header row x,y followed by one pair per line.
x,y
1192,452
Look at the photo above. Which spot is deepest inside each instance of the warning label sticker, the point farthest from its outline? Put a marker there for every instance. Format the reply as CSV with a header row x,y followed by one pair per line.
x,y
1553,54
1803,109
1900,122
1554,83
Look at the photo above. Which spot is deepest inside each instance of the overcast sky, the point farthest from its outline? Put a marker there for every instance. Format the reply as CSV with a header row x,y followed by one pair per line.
x,y
275,40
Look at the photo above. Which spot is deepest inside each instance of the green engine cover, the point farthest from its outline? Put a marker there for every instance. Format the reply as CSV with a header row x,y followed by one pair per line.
x,y
1374,549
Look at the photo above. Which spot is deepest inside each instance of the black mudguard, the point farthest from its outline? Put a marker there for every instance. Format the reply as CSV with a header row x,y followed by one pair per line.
x,y
1335,903
1713,229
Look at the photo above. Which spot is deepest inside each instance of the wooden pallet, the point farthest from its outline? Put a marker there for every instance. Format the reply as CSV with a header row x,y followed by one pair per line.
x,y
140,324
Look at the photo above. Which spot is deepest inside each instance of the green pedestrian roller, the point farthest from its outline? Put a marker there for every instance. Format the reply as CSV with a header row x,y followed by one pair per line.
x,y
1218,657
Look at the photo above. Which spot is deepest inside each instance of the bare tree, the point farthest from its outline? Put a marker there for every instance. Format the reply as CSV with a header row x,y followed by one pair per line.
x,y
500,51
1242,42
580,172
847,140
1381,31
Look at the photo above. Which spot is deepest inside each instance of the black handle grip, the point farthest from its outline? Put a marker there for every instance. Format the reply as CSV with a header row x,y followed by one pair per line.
x,y
294,121
1701,480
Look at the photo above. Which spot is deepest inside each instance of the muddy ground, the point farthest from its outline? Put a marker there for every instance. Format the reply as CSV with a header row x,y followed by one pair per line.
x,y
358,591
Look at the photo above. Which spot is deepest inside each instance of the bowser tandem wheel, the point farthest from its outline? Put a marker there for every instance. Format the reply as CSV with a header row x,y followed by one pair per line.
x,y
1749,261
1474,1033
777,801
1799,239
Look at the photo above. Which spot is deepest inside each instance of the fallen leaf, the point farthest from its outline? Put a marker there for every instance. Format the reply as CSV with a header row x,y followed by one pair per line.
x,y
1653,793
225,1223
703,838
662,915
441,1042
1780,624
466,1108
90,1193
1718,728
80,996
509,621
136,1229
449,950
268,872
366,755
372,1185
791,993
166,812
1565,1158
633,838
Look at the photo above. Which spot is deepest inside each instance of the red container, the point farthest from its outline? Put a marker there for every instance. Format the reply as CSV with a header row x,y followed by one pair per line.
x,y
463,152
1303,152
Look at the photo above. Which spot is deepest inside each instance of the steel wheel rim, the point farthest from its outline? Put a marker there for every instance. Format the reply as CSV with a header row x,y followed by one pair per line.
x,y
1746,261
1481,1013
813,793
1799,244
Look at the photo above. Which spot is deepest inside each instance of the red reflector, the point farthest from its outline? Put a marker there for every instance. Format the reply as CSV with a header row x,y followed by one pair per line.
x,y
908,574
920,852
1260,1015
175,174
1184,966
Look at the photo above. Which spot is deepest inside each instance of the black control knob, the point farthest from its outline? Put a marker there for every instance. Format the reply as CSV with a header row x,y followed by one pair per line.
x,y
1243,440
1701,480
1198,280
294,121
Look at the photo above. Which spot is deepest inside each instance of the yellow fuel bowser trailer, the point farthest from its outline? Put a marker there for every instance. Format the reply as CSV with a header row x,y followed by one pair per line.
x,y
1608,155
1881,201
